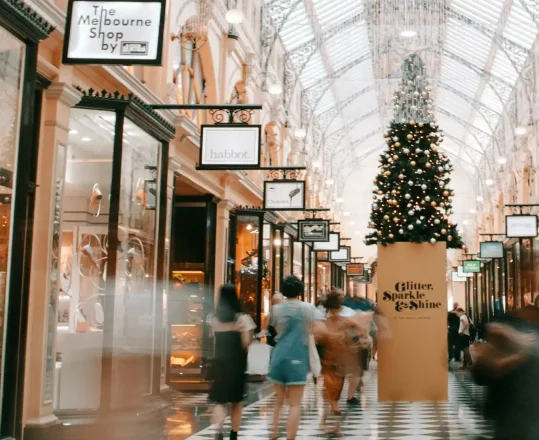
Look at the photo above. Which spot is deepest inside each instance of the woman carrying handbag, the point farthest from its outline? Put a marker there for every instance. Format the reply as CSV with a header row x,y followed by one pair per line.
x,y
291,358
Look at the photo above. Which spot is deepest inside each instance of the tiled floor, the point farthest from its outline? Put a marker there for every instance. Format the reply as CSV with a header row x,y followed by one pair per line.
x,y
456,419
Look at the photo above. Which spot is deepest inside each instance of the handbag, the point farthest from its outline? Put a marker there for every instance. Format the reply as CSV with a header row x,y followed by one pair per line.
x,y
314,359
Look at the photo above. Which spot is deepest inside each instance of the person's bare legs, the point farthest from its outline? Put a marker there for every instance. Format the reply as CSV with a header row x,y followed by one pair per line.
x,y
218,416
280,395
353,384
235,416
295,396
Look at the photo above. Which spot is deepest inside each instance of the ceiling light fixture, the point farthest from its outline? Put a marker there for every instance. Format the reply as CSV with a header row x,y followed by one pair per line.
x,y
464,222
330,181
502,160
473,211
234,16
277,242
352,223
339,200
300,133
408,34
489,182
316,164
521,130
346,214
73,132
480,198
85,139
275,89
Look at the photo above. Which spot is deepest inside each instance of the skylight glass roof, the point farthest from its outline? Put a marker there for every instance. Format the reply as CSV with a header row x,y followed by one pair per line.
x,y
470,71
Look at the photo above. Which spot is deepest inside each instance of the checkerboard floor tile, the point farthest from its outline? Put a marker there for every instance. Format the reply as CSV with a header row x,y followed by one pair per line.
x,y
456,419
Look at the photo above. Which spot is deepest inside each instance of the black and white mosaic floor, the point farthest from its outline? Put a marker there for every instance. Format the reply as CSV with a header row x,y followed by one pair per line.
x,y
456,419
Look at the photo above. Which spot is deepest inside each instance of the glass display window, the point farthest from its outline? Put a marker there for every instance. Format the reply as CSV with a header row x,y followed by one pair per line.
x,y
510,281
288,251
312,281
323,277
298,262
277,258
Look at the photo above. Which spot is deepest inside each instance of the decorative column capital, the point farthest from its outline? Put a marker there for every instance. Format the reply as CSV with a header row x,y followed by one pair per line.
x,y
225,205
64,93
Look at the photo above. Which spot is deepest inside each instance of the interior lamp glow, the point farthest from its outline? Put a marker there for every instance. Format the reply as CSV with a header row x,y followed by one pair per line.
x,y
502,160
346,214
339,200
316,164
464,222
300,133
480,198
408,34
489,182
521,130
473,211
277,242
330,181
234,16
275,89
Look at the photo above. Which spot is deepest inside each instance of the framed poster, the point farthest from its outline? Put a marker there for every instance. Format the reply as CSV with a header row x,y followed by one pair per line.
x,y
313,230
491,249
340,256
125,32
284,195
230,147
355,270
521,226
333,244
471,266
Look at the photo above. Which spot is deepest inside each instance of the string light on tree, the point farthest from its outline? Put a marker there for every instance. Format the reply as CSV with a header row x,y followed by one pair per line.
x,y
412,188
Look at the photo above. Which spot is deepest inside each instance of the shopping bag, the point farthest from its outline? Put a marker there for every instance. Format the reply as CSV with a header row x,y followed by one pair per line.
x,y
314,359
258,359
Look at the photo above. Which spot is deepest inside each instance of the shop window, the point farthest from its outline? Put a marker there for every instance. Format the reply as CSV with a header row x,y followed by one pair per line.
x,y
298,260
287,255
324,277
267,271
12,52
278,264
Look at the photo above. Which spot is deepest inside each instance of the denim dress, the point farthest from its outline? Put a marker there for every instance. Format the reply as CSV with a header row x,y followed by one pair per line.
x,y
289,363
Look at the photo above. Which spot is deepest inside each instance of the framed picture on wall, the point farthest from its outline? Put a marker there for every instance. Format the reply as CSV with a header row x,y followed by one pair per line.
x,y
327,246
340,256
284,195
310,231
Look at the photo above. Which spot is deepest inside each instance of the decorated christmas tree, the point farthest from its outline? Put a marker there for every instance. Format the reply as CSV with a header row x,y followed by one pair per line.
x,y
412,198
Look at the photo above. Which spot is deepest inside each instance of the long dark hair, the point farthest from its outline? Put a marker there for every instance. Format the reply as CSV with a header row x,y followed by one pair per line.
x,y
229,304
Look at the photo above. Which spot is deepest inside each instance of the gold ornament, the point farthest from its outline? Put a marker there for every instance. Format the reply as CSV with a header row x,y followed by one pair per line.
x,y
386,134
409,137
375,182
428,164
413,163
396,220
401,176
437,143
412,122
442,205
420,125
422,202
446,193
443,231
386,217
434,149
394,192
395,157
379,234
432,203
397,144
379,193
372,224
449,238
391,236
387,173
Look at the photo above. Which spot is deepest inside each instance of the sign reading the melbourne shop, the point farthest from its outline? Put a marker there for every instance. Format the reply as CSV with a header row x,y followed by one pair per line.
x,y
521,226
284,195
313,230
230,147
114,32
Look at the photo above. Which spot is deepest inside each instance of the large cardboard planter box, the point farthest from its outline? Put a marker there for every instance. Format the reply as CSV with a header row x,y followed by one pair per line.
x,y
412,295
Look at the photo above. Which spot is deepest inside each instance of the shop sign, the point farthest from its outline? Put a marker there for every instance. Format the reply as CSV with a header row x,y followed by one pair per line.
x,y
471,266
229,147
355,270
521,226
462,274
491,249
456,278
313,230
340,256
284,195
327,246
114,32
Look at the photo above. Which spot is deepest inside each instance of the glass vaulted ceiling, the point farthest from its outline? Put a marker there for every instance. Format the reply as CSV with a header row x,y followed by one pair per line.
x,y
332,48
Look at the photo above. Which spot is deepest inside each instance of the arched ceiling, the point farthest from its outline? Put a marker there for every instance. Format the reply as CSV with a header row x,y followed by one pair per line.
x,y
346,57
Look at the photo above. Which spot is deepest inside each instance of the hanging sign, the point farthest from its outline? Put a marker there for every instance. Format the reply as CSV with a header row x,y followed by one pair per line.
x,y
471,266
230,147
284,195
491,249
355,270
340,256
521,226
327,246
462,274
313,230
456,278
114,32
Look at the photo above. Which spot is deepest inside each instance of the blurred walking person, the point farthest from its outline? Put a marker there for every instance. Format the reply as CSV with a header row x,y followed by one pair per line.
x,y
464,338
233,332
342,340
294,320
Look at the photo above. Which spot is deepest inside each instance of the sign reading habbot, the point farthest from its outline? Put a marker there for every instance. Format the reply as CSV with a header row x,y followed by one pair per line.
x,y
114,32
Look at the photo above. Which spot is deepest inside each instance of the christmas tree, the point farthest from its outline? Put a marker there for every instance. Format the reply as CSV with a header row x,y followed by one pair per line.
x,y
412,198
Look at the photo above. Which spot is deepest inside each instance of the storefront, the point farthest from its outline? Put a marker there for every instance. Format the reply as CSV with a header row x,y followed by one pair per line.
x,y
21,89
191,290
108,260
256,260
520,264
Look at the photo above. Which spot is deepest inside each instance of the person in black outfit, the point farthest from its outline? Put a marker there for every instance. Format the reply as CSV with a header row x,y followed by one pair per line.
x,y
453,323
233,332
